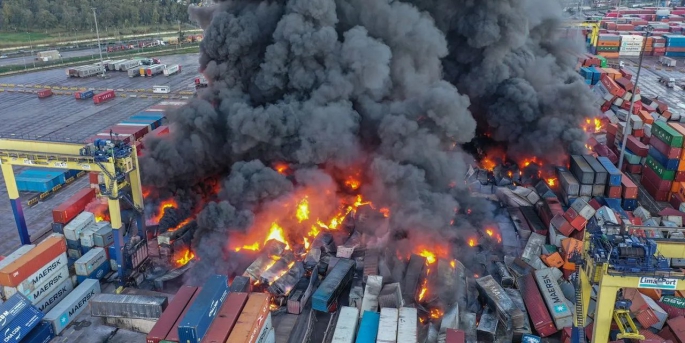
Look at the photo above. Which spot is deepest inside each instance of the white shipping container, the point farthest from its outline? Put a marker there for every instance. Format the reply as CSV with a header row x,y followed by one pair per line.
x,y
72,231
533,247
406,325
86,236
263,336
346,326
53,298
16,255
387,327
374,283
271,336
37,279
50,285
74,303
90,261
554,298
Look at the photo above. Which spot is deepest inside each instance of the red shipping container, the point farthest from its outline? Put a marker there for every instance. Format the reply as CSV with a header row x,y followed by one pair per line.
x,y
639,133
562,225
93,178
71,207
668,335
173,334
654,179
626,74
595,204
664,148
631,168
16,272
104,96
677,326
612,129
636,147
650,337
613,191
673,312
171,314
139,148
679,176
44,93
226,318
604,151
537,310
629,189
613,87
137,131
625,84
653,190
676,200
455,336
160,131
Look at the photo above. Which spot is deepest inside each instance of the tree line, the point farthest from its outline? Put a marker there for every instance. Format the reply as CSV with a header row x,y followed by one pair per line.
x,y
77,15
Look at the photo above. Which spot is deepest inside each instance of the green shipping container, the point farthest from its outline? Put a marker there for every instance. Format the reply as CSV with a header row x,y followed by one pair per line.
x,y
602,61
659,169
667,134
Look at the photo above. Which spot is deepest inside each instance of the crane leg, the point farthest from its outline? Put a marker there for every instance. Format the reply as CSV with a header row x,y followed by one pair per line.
x,y
13,191
606,301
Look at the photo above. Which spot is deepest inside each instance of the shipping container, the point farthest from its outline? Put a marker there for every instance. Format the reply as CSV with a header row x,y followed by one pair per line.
x,y
598,169
226,319
495,296
14,308
201,313
173,334
300,294
612,171
127,306
172,69
37,279
72,230
104,96
42,333
86,237
487,326
666,150
70,208
517,298
533,247
533,220
130,324
58,293
387,326
240,284
90,261
44,93
407,325
659,169
47,250
629,189
346,326
22,250
332,285
569,184
368,327
72,305
537,310
667,134
374,283
251,321
455,336
138,131
103,237
554,298
98,273
668,163
165,324
84,94
650,176
582,170
22,325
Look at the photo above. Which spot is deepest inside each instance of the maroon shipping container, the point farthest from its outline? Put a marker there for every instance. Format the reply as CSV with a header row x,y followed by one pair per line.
x,y
675,201
455,336
664,148
629,188
137,131
139,148
226,318
667,334
165,323
625,83
631,168
613,191
679,176
93,178
626,74
654,179
160,131
562,225
104,96
653,190
44,93
677,326
673,312
638,148
537,310
604,151
71,208
173,334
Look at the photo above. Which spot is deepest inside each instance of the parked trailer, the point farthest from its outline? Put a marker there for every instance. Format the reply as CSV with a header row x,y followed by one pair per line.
x,y
172,69
113,65
44,93
134,72
161,89
554,298
48,55
89,70
331,287
346,327
667,61
129,65
154,69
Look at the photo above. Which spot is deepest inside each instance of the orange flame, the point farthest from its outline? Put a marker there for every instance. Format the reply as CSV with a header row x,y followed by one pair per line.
x,y
253,247
385,211
489,232
168,203
552,181
430,257
303,210
424,289
436,313
352,183
488,164
276,232
472,242
186,256
453,264
281,167
182,224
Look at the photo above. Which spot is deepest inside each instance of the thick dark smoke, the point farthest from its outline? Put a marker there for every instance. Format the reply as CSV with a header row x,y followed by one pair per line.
x,y
334,87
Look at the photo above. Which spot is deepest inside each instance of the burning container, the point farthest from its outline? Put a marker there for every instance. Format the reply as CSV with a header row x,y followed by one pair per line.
x,y
16,272
254,322
42,333
300,294
226,319
387,326
70,208
487,326
346,326
368,328
202,312
127,306
332,285
166,321
69,308
554,298
499,300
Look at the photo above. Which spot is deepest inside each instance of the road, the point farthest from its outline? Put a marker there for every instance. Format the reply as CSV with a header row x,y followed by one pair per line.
x,y
29,61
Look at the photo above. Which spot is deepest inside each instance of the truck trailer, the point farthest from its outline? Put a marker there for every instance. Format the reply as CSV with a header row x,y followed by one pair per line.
x,y
48,55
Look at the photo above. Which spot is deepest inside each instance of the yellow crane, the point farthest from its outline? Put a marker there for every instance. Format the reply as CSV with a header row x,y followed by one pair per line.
x,y
117,162
591,25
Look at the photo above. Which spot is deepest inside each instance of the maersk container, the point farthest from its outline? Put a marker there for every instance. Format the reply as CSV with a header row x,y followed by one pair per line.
x,y
368,328
97,274
127,306
69,308
407,325
52,299
201,313
614,173
72,230
582,170
387,326
49,285
90,261
37,279
554,298
42,333
346,326
331,287
22,325
103,237
86,236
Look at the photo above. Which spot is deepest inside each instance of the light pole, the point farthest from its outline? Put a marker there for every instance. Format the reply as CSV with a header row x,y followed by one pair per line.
x,y
626,129
97,32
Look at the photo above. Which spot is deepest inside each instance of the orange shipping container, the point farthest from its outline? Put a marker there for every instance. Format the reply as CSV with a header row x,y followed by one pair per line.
x,y
553,260
646,117
249,323
655,294
569,245
16,272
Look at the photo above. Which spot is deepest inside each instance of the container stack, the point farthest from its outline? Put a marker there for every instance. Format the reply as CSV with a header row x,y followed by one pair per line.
x,y
659,44
675,45
41,180
648,46
608,45
631,45
663,160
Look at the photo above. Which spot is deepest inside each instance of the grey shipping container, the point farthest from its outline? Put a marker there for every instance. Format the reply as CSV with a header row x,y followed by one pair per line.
x,y
533,247
127,306
103,237
600,173
499,300
346,326
201,313
515,296
487,326
569,184
69,308
585,190
240,284
387,326
554,298
582,170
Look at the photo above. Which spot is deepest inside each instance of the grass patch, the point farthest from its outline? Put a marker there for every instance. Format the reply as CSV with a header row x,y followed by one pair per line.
x,y
19,38
153,52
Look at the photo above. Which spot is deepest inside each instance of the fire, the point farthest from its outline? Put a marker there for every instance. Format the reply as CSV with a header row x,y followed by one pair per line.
x,y
253,247
352,183
528,161
598,125
593,125
182,224
551,181
430,257
276,232
453,264
186,256
281,167
472,242
424,289
488,164
99,218
489,232
436,313
303,210
385,211
169,203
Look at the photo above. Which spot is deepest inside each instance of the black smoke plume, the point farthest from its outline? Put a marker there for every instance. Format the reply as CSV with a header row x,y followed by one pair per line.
x,y
365,86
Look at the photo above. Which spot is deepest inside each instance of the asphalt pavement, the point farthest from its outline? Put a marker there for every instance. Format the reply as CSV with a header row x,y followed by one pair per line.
x,y
28,60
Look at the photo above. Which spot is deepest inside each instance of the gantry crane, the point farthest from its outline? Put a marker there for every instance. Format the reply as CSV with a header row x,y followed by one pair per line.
x,y
593,26
117,162
611,276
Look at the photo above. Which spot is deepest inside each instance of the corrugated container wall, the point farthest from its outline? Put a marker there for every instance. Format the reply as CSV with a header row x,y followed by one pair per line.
x,y
202,312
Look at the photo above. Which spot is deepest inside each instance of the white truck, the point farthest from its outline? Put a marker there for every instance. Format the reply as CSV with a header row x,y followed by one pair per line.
x,y
666,80
48,55
667,61
172,69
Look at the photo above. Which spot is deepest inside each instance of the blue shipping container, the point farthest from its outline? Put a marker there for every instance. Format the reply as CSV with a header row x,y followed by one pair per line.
x,y
42,333
153,122
149,124
671,164
530,339
85,94
151,114
12,308
629,204
614,174
71,244
45,173
39,185
368,328
194,325
97,273
22,325
332,285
